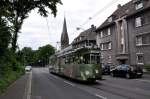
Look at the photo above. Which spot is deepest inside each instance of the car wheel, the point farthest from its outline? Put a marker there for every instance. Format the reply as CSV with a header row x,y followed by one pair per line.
x,y
127,75
140,76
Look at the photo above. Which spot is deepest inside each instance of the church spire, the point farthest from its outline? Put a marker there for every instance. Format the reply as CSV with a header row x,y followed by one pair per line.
x,y
64,36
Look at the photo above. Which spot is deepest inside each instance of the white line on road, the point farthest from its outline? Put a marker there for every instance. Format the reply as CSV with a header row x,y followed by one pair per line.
x,y
69,83
55,77
100,96
29,87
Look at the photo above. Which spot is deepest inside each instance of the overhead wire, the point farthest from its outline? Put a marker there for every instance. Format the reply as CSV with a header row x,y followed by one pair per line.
x,y
49,30
47,25
97,13
100,11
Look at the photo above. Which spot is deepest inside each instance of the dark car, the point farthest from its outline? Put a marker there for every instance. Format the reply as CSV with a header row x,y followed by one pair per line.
x,y
126,71
105,69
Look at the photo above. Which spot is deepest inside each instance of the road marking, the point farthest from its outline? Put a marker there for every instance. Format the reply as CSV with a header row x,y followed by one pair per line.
x,y
100,96
29,87
37,97
148,81
69,83
55,77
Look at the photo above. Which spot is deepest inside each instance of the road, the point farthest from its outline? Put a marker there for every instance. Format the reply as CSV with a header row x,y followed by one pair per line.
x,y
41,85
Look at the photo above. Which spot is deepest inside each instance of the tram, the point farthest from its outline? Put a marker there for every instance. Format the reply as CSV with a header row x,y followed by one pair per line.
x,y
81,64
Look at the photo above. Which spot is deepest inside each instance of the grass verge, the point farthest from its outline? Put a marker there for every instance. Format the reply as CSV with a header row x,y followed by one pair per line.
x,y
147,67
8,79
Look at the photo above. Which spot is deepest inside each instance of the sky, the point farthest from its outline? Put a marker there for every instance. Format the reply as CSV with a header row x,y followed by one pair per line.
x,y
38,31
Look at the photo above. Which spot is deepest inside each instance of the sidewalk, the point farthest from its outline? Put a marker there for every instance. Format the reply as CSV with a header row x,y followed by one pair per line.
x,y
146,75
16,90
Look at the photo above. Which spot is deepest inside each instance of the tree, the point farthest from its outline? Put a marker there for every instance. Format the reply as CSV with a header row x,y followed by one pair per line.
x,y
45,52
26,55
35,57
18,11
5,36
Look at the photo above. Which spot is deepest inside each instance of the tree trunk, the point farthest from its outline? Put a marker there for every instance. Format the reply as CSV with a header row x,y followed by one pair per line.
x,y
15,35
14,40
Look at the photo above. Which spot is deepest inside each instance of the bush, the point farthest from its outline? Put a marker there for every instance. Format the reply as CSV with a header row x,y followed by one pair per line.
x,y
10,69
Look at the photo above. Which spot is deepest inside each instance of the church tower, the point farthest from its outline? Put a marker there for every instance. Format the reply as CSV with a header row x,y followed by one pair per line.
x,y
64,36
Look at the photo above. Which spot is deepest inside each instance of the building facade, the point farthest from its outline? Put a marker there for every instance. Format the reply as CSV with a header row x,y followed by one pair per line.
x,y
86,38
124,38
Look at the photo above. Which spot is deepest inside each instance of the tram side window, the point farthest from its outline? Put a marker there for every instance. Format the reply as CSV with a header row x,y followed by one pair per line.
x,y
66,61
69,60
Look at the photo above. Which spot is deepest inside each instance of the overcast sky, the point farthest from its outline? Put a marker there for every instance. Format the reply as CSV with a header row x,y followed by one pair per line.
x,y
35,32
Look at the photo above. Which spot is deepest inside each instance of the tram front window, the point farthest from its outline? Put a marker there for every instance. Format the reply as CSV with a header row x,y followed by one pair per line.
x,y
94,59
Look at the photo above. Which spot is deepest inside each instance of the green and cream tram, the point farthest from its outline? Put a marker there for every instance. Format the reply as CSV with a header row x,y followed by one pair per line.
x,y
81,64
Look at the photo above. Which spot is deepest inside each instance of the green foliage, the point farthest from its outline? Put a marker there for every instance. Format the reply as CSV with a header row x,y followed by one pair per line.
x,y
44,53
5,36
16,11
147,67
34,57
10,69
28,55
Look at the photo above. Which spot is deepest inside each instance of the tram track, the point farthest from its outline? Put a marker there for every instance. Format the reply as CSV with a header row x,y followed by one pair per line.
x,y
121,91
79,86
107,88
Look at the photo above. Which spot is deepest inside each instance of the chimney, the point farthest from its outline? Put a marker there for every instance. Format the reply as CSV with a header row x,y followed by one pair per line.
x,y
93,27
119,6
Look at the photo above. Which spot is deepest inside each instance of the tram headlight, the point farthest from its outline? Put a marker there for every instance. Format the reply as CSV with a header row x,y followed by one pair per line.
x,y
96,71
87,72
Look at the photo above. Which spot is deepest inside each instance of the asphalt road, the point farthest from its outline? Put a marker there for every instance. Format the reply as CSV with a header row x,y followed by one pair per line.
x,y
41,85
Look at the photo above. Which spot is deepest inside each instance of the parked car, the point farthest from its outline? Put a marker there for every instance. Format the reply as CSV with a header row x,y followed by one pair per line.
x,y
105,69
126,71
28,68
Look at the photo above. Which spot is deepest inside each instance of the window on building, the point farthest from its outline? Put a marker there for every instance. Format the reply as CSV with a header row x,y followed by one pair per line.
x,y
106,46
106,32
138,5
109,31
102,56
109,59
143,39
140,58
109,45
102,46
101,34
139,40
138,22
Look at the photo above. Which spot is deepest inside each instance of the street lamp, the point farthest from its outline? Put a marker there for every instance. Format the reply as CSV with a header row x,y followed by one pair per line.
x,y
79,28
57,45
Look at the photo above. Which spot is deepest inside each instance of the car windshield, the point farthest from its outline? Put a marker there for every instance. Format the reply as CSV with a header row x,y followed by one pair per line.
x,y
28,66
124,67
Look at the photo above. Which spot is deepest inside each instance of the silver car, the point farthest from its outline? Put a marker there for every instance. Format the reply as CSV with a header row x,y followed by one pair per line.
x,y
28,68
